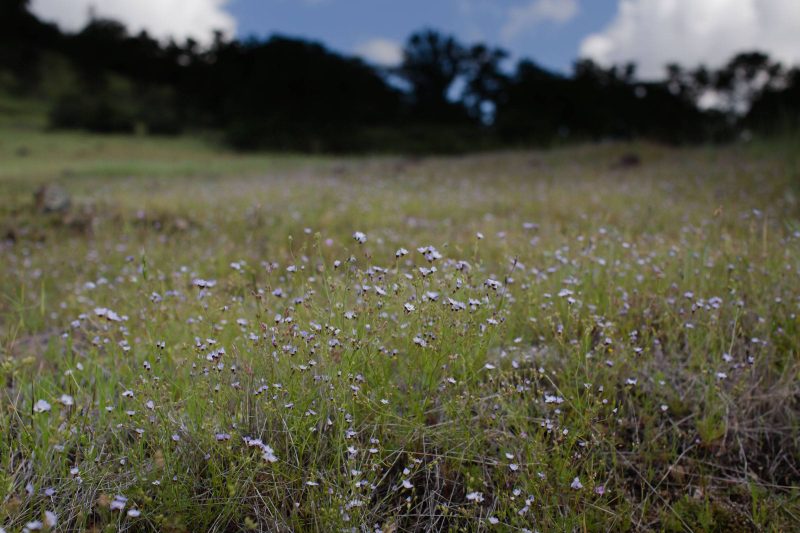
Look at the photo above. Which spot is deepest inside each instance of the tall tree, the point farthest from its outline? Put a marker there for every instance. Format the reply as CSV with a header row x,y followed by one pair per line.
x,y
431,64
744,77
485,80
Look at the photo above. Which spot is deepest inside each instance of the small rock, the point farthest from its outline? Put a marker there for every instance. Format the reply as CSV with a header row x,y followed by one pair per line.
x,y
628,160
51,198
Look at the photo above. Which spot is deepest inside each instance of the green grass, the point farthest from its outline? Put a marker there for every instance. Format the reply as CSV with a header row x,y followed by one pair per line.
x,y
643,339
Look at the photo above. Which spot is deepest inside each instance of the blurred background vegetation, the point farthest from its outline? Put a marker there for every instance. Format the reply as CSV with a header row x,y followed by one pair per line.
x,y
446,96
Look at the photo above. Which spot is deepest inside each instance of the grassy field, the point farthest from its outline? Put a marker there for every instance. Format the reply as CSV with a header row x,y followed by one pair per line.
x,y
522,341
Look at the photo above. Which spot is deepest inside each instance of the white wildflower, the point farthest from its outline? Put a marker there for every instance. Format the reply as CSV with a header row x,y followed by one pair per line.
x,y
476,497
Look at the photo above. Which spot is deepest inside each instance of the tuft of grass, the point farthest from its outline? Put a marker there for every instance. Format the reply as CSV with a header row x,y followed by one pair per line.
x,y
597,349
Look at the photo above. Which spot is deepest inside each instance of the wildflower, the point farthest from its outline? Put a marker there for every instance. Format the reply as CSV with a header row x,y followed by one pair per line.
x,y
476,497
493,520
400,252
430,253
408,307
407,484
493,284
425,272
576,484
50,519
41,407
354,503
360,237
118,503
134,513
269,454
455,305
108,314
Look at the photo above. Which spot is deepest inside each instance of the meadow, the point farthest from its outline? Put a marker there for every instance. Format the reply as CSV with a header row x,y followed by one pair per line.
x,y
516,341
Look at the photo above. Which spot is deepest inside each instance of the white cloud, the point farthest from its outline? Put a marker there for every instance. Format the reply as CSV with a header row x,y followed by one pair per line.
x,y
384,52
161,18
653,33
522,18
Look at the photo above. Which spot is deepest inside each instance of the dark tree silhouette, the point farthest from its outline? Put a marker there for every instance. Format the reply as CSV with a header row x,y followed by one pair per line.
x,y
744,77
776,109
283,93
485,80
431,64
22,39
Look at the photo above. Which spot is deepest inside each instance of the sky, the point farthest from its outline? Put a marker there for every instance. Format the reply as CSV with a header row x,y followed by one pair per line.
x,y
554,33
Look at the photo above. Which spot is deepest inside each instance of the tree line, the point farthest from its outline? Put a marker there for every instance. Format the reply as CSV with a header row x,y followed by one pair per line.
x,y
294,94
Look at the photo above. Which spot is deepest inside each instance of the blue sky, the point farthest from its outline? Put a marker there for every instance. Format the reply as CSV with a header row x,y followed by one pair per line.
x,y
554,33
348,25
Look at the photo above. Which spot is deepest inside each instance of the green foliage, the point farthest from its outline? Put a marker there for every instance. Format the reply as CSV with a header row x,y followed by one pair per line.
x,y
116,106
